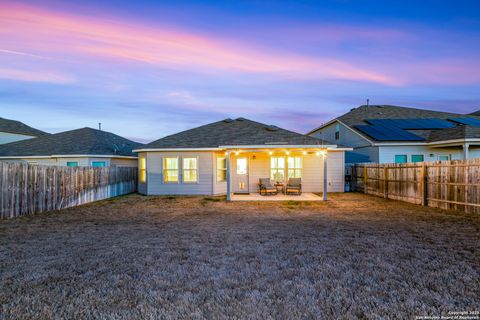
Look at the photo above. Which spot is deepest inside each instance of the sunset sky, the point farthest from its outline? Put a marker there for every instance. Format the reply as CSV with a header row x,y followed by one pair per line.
x,y
146,69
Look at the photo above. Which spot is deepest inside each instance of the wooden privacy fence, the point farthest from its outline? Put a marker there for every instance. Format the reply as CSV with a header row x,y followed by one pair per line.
x,y
443,184
26,189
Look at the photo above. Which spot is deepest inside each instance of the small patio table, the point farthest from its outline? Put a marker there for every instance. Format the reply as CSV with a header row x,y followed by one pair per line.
x,y
280,187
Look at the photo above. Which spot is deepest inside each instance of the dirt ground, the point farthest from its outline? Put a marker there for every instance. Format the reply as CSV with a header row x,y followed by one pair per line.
x,y
355,256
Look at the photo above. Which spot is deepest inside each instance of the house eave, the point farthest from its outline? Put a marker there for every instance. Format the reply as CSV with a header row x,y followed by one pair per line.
x,y
278,146
70,156
176,149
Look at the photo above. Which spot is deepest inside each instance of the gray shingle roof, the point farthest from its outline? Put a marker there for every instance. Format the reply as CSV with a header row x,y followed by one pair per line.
x,y
17,127
459,132
358,116
75,142
232,132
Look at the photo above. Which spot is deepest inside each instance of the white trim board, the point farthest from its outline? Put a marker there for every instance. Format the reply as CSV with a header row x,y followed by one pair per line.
x,y
70,156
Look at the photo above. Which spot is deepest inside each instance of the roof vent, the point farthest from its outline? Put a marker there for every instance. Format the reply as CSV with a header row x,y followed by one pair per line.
x,y
240,119
228,120
353,109
271,128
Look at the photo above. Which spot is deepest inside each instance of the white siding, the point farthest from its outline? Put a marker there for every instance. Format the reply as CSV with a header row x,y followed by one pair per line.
x,y
387,153
120,162
156,186
347,137
312,174
6,137
362,154
336,171
221,186
82,161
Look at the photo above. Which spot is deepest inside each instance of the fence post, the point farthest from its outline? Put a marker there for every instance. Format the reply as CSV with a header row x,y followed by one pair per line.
x,y
365,179
425,184
385,182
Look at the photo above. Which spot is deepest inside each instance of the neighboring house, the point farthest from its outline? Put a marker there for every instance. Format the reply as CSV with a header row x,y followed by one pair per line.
x,y
81,147
391,134
230,156
11,131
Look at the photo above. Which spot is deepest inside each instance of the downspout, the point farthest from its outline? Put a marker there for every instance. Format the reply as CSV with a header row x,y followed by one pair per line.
x,y
465,151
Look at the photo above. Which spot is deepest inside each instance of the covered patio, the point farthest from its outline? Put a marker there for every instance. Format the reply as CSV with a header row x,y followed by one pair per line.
x,y
245,165
306,196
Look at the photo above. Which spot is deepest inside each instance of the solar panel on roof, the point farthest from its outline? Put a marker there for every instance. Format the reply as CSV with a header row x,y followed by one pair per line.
x,y
412,124
385,133
474,122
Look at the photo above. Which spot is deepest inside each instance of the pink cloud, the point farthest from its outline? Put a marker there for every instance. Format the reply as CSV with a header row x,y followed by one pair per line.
x,y
40,31
35,76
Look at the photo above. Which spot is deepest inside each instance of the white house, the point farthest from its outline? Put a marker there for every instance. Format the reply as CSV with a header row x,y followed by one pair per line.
x,y
81,147
392,134
230,156
11,131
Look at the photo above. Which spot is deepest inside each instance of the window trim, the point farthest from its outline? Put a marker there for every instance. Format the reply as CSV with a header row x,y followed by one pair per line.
x,y
444,155
277,169
163,170
224,158
196,170
140,169
400,155
294,168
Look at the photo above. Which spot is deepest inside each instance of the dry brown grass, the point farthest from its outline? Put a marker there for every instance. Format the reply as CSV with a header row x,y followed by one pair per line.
x,y
151,257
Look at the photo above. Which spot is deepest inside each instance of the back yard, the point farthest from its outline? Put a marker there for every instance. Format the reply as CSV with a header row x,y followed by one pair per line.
x,y
356,256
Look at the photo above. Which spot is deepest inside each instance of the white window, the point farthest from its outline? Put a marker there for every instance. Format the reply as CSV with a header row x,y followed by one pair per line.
x,y
294,165
444,157
221,169
142,167
277,168
242,166
190,170
170,170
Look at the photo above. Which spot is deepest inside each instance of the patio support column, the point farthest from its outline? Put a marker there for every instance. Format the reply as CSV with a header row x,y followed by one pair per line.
x,y
465,151
229,196
325,175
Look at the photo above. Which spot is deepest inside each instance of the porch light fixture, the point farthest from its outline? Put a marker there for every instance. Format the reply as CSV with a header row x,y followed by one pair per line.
x,y
287,153
304,152
237,153
270,152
